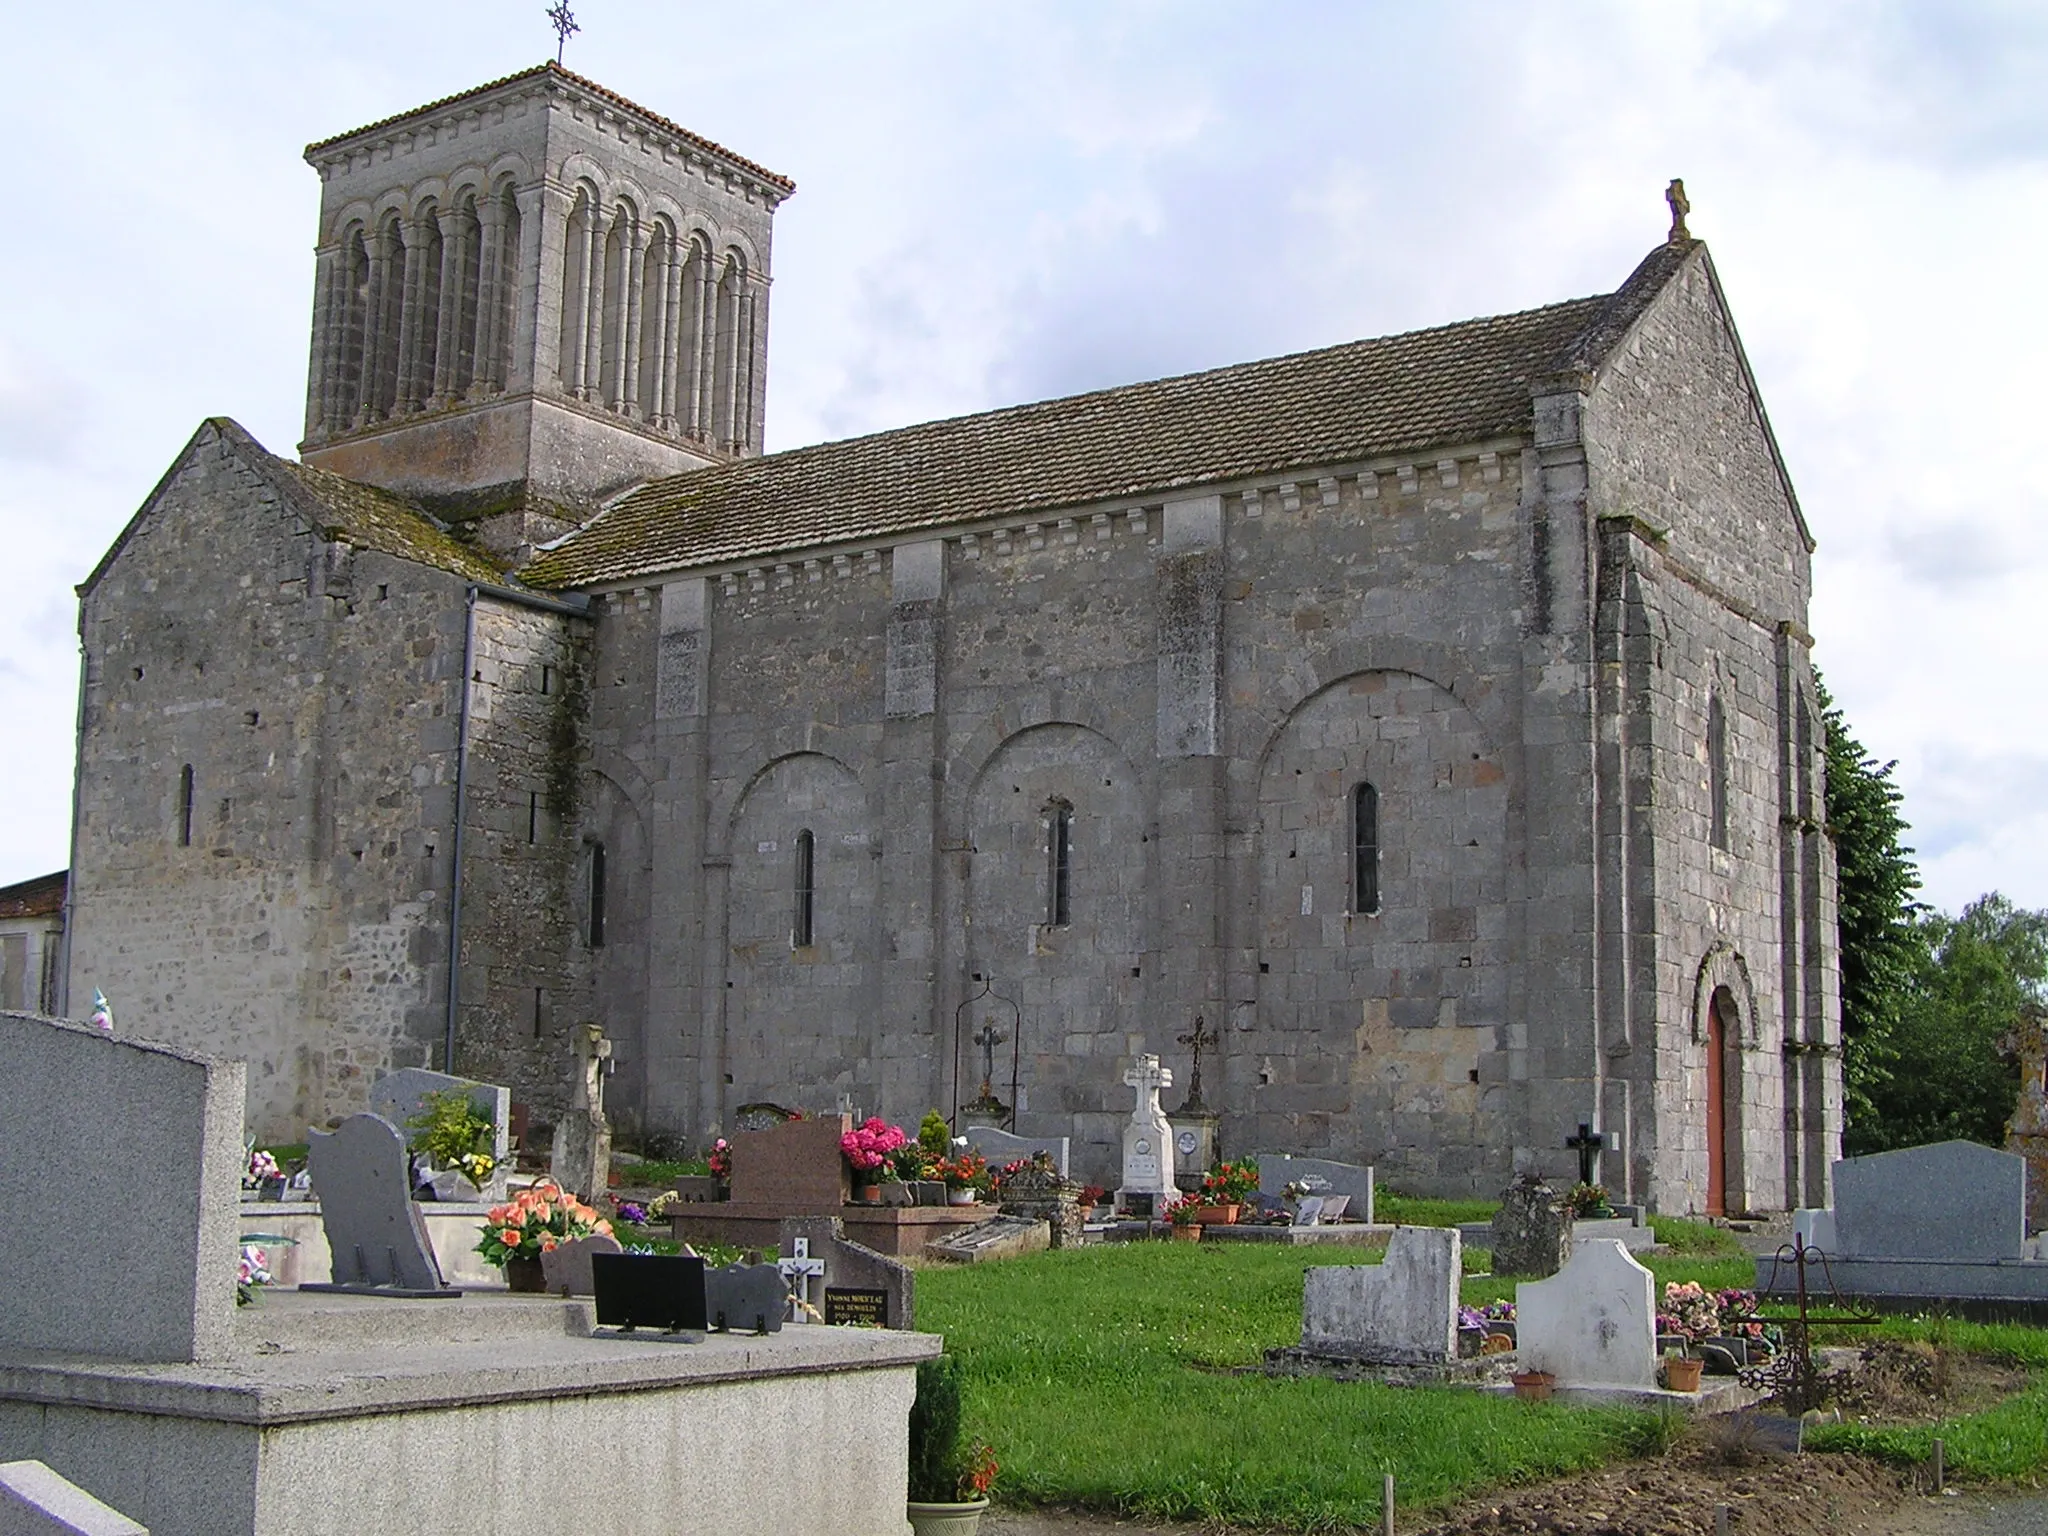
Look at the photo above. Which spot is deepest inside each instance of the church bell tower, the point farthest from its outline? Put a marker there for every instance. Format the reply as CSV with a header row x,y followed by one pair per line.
x,y
532,295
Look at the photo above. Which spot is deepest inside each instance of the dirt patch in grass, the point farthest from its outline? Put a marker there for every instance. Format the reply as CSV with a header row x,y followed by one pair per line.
x,y
1675,1495
1910,1381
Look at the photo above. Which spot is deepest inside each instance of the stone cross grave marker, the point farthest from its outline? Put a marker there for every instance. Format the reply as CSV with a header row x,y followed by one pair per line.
x,y
805,1277
1593,1323
1402,1311
374,1231
582,1160
1148,1168
1589,1144
565,1268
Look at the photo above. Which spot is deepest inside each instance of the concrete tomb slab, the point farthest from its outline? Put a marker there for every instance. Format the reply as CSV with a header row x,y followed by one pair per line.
x,y
375,1234
83,1111
1000,1146
1954,1202
35,1501
399,1097
565,1269
1279,1169
1000,1237
1401,1311
1593,1323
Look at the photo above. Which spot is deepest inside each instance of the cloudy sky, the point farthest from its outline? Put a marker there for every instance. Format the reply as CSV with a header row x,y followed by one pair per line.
x,y
997,203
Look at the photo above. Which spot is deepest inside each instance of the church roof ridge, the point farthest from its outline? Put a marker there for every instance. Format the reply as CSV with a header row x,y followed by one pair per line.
x,y
1462,382
604,93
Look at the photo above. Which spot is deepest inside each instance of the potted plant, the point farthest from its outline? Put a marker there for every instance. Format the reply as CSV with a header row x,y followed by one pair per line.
x,y
453,1134
1682,1371
1588,1202
949,1482
1534,1386
966,1176
533,1222
1185,1217
867,1148
1225,1189
1089,1198
719,1161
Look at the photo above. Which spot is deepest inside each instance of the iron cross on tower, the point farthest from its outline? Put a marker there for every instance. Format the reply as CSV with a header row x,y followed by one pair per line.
x,y
565,26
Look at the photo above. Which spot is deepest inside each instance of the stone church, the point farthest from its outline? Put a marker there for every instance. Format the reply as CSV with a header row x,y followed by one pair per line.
x,y
1431,716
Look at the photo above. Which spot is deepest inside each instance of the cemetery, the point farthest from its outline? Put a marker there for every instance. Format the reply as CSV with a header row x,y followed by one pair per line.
x,y
298,1319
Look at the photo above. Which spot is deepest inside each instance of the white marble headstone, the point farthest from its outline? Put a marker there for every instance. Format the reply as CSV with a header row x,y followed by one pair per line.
x,y
1593,1323
1148,1147
1403,1311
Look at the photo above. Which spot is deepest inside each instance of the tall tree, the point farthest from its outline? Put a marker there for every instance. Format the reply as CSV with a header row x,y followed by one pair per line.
x,y
1950,1075
1882,947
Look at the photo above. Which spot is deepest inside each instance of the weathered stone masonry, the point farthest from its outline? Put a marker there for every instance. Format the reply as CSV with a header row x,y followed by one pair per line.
x,y
770,762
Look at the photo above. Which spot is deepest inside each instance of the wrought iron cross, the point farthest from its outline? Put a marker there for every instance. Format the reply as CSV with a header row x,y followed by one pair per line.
x,y
1197,1040
1588,1144
988,1039
565,26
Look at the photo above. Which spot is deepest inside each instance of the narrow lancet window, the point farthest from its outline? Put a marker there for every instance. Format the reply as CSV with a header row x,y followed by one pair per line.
x,y
801,929
1365,850
1717,772
597,895
185,806
1059,864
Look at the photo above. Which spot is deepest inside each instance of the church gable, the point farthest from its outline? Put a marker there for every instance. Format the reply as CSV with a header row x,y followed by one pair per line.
x,y
1676,435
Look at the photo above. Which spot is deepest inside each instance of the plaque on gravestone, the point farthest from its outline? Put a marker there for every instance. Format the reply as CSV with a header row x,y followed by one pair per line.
x,y
661,1292
856,1305
565,1268
1308,1210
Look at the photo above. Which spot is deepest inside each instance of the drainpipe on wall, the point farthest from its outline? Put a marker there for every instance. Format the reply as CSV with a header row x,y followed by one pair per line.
x,y
60,1005
575,607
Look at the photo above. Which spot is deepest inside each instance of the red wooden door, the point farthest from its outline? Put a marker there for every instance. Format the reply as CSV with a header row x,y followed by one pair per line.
x,y
1717,1117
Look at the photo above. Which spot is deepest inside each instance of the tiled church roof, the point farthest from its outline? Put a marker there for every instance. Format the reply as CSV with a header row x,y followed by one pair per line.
x,y
368,518
1453,384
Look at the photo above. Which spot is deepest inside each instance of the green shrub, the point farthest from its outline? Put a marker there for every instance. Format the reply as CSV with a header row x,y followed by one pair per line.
x,y
935,1460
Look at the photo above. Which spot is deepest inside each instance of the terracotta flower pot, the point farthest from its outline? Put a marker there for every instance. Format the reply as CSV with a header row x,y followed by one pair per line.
x,y
1216,1215
1534,1386
1682,1375
869,1194
1187,1234
525,1276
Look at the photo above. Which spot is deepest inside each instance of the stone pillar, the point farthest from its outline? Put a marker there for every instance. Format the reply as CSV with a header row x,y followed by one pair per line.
x,y
680,1047
490,297
627,389
539,271
911,1043
322,367
376,329
447,323
703,309
1188,864
757,372
410,319
662,407
590,365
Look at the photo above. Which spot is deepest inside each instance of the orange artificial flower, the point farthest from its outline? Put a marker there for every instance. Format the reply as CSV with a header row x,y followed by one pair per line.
x,y
509,1237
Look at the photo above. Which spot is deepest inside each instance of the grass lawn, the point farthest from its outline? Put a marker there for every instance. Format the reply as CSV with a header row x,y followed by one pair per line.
x,y
1100,1376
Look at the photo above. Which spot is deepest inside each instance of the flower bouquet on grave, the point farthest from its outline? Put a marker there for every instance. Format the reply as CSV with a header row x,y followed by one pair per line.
x,y
911,1163
1689,1311
1225,1189
966,1176
535,1221
867,1149
1588,1202
1185,1217
263,1174
719,1161
1739,1320
451,1132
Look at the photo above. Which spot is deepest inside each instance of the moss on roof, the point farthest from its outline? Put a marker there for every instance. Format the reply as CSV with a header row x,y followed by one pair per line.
x,y
362,515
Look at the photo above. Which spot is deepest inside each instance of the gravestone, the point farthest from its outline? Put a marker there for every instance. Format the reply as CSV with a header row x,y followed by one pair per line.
x,y
1038,1194
1000,1237
1000,1147
399,1096
2026,1133
582,1160
35,1501
1593,1323
746,1298
1148,1154
1532,1232
762,1116
854,1266
374,1230
120,1185
795,1165
1277,1170
1955,1202
565,1268
1401,1311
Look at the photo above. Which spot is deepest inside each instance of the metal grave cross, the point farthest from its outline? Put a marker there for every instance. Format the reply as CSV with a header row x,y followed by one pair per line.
x,y
564,21
801,1271
1197,1040
988,1038
1589,1143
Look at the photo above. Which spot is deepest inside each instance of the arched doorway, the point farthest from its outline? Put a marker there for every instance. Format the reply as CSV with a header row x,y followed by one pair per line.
x,y
1724,1104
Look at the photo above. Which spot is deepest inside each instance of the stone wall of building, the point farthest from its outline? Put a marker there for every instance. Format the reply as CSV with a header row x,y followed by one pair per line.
x,y
311,691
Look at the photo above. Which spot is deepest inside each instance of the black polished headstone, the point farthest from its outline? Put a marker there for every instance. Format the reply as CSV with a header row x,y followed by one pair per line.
x,y
664,1292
